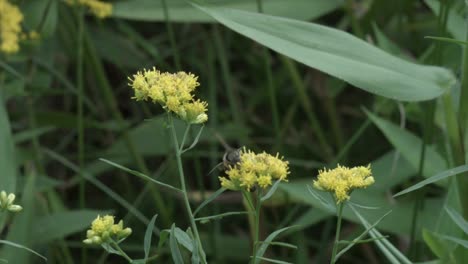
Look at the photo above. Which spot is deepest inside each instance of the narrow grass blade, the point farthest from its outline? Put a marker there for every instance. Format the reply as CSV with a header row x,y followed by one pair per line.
x,y
435,178
209,200
141,175
173,245
195,141
6,242
358,239
207,219
324,202
262,249
148,236
459,241
281,244
448,40
271,191
273,260
458,219
392,253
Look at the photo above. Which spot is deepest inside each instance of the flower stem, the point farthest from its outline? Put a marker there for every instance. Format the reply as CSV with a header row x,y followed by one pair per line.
x,y
256,227
183,187
337,235
122,253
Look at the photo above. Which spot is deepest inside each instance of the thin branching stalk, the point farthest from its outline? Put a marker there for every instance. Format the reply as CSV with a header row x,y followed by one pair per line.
x,y
338,230
178,152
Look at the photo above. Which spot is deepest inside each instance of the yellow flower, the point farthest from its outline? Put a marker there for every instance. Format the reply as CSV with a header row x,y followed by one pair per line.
x,y
173,91
10,27
255,170
104,230
342,181
98,8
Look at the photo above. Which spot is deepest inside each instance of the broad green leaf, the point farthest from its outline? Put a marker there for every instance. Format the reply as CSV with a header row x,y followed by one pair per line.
x,y
148,236
262,249
339,54
409,145
182,11
7,152
48,228
440,176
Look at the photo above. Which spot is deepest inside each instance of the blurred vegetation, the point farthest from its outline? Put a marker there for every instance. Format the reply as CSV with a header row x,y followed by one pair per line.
x,y
277,82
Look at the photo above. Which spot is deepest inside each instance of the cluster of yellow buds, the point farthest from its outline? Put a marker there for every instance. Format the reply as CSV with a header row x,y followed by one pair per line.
x,y
255,169
173,91
342,181
98,8
10,27
6,202
103,230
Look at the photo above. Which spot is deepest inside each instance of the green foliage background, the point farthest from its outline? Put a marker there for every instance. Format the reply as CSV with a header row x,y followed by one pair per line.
x,y
282,81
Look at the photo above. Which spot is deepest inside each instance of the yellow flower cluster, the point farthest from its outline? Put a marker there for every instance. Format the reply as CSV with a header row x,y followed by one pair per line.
x,y
103,230
342,181
98,8
10,27
6,202
173,91
255,169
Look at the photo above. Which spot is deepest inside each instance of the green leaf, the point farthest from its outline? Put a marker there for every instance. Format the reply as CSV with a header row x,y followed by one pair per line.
x,y
390,251
438,177
436,244
274,260
49,227
7,152
182,11
339,54
207,219
141,175
461,242
409,145
458,219
262,249
183,239
209,200
148,236
6,242
358,239
41,16
271,191
455,21
173,245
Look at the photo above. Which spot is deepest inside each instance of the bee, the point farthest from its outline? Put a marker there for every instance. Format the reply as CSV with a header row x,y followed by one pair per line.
x,y
230,159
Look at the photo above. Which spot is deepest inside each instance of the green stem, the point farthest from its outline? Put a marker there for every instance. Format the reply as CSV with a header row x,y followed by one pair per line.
x,y
187,129
256,226
337,235
184,188
123,254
